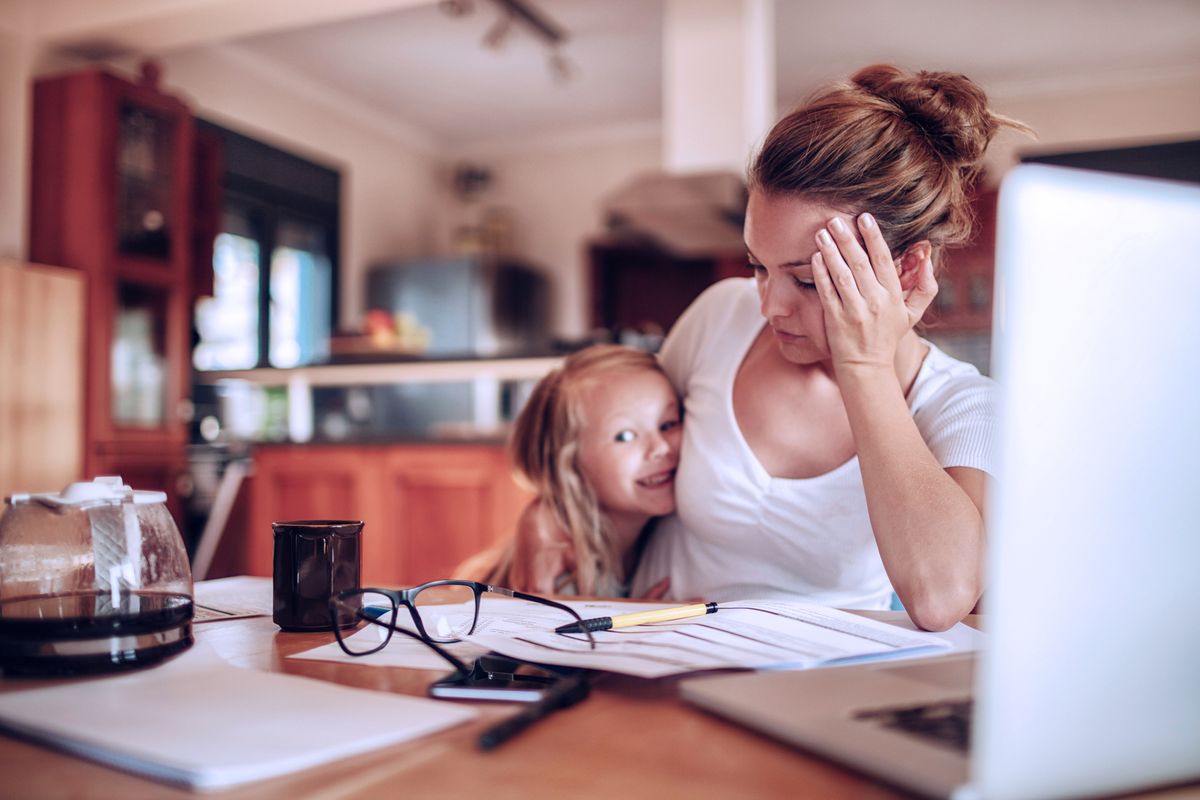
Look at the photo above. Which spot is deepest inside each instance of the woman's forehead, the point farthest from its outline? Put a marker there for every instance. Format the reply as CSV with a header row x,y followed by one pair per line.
x,y
787,222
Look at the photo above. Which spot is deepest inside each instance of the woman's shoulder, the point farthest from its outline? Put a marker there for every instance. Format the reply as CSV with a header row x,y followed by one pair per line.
x,y
728,294
731,301
710,326
943,375
956,410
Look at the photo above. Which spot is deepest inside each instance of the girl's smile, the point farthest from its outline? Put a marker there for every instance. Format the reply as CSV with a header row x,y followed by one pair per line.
x,y
630,444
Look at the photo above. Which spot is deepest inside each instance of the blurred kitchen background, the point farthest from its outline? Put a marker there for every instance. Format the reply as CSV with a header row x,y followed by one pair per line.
x,y
289,258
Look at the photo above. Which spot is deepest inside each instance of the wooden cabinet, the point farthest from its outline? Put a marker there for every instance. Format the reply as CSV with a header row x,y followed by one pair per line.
x,y
643,288
426,508
111,196
41,377
964,300
446,504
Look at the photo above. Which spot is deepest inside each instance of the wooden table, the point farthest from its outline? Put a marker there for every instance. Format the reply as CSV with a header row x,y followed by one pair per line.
x,y
631,738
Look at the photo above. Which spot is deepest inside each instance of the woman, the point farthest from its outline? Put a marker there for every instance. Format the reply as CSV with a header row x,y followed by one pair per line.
x,y
829,452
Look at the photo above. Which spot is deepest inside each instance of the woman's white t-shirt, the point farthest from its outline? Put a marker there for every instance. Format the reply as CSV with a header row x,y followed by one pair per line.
x,y
740,533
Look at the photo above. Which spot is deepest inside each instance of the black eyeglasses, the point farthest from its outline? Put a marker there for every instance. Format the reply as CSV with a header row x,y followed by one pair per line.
x,y
443,612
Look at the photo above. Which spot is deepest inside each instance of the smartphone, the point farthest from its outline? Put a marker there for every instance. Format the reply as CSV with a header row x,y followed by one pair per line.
x,y
497,679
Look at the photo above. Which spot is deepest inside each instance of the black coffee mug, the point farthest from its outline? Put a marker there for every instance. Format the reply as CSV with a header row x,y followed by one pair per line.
x,y
314,560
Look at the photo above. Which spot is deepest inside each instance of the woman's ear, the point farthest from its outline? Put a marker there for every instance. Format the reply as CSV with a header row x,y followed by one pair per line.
x,y
911,262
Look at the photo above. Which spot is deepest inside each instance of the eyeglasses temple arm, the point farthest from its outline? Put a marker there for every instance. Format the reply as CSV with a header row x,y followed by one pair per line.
x,y
458,665
545,601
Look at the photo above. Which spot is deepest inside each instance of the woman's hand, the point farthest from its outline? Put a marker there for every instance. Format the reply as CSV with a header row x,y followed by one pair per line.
x,y
869,303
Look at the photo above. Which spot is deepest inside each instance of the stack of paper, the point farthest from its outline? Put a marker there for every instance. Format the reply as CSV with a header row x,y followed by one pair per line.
x,y
201,722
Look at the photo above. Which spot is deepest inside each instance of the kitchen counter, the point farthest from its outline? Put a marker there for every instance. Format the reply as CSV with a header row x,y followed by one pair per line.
x,y
393,370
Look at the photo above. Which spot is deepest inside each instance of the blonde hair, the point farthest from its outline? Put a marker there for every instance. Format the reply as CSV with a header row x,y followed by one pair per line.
x,y
545,453
905,146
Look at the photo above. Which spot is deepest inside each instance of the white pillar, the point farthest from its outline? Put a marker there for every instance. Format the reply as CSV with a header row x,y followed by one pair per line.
x,y
718,82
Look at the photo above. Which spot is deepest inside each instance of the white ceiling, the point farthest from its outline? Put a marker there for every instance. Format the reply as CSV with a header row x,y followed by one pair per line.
x,y
429,69
412,63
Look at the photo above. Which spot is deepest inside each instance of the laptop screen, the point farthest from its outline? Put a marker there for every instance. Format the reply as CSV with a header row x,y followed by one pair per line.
x,y
1089,683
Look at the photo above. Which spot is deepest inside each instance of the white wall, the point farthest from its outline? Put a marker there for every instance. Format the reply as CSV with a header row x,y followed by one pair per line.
x,y
15,68
1139,111
389,173
396,199
554,191
21,60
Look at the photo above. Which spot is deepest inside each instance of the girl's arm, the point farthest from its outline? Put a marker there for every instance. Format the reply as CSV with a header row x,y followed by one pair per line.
x,y
542,552
927,520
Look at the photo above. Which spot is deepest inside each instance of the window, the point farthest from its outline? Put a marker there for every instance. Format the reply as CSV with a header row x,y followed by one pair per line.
x,y
274,299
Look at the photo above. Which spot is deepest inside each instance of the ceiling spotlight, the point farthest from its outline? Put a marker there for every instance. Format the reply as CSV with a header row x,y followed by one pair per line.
x,y
522,14
497,35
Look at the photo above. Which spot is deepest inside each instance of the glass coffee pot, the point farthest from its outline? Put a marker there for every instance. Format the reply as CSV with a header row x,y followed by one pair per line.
x,y
92,579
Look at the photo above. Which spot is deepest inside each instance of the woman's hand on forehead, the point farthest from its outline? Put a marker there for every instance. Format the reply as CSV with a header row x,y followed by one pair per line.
x,y
866,309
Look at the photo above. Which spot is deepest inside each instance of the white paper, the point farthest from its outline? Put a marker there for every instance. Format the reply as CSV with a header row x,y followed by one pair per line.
x,y
764,634
962,638
400,652
201,722
231,598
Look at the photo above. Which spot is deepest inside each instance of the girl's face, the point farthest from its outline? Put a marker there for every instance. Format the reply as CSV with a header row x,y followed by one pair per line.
x,y
629,442
780,235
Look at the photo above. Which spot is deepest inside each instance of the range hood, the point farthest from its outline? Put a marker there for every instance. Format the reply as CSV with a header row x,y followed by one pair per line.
x,y
688,215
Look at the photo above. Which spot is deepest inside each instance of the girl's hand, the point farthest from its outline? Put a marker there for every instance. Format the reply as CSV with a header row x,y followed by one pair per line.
x,y
867,309
658,591
541,555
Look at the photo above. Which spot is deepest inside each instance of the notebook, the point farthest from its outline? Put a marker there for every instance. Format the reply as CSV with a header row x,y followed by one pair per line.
x,y
1088,681
200,722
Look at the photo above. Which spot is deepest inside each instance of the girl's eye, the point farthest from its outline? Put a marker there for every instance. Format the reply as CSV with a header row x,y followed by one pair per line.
x,y
755,268
624,436
807,286
669,425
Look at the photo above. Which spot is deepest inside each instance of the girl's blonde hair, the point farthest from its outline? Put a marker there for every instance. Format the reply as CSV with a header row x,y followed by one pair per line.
x,y
545,453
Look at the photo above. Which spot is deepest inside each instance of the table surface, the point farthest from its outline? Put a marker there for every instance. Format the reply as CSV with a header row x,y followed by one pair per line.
x,y
630,738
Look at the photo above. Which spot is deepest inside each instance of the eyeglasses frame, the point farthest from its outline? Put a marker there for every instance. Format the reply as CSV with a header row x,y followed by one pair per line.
x,y
403,597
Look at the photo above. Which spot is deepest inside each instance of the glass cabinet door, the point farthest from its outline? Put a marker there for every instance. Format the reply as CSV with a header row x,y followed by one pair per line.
x,y
145,180
139,364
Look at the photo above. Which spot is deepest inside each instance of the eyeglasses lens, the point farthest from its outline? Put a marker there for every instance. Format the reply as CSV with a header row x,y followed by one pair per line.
x,y
368,638
446,611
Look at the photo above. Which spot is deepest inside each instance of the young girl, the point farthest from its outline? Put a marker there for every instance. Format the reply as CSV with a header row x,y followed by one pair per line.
x,y
598,443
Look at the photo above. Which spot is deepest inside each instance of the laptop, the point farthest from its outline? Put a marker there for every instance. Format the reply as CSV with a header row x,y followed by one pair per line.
x,y
1089,680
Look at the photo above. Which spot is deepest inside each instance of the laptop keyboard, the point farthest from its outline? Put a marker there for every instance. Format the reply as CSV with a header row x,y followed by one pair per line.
x,y
946,722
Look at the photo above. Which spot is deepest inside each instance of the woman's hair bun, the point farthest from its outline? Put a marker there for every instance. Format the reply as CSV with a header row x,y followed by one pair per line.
x,y
948,109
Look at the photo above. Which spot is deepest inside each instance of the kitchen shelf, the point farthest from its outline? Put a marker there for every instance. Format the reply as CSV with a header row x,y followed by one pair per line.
x,y
376,374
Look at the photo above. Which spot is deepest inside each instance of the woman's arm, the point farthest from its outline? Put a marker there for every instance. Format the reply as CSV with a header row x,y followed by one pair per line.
x,y
927,520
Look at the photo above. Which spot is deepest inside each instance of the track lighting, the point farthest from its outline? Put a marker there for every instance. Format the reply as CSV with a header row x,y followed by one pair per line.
x,y
521,12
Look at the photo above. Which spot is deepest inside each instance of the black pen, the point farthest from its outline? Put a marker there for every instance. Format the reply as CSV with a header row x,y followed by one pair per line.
x,y
639,618
565,693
